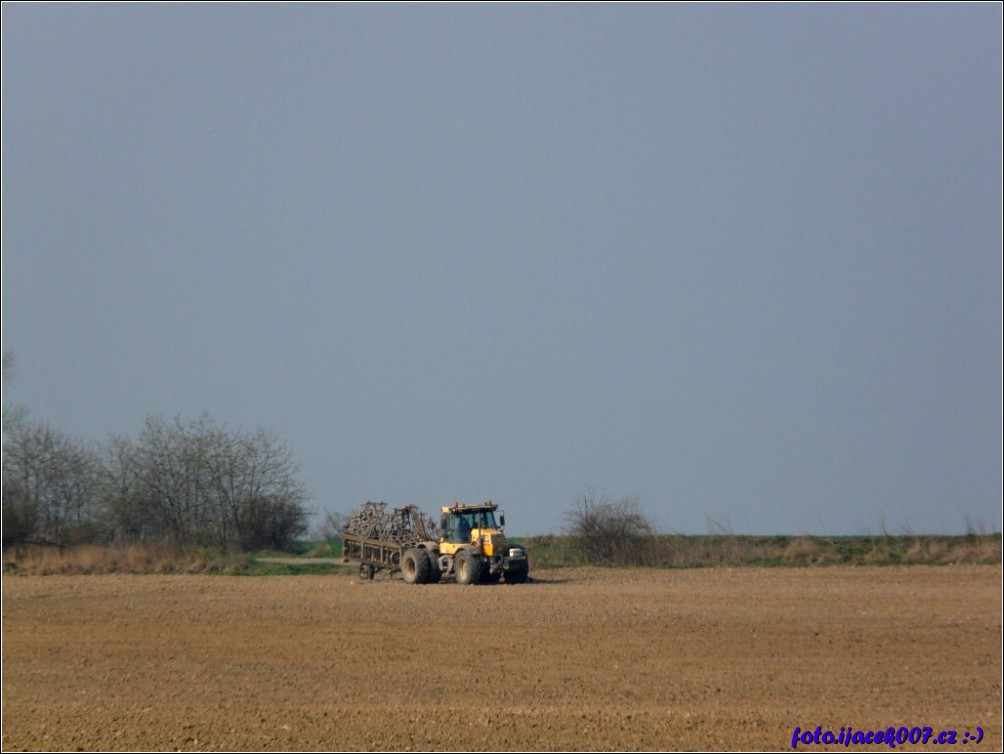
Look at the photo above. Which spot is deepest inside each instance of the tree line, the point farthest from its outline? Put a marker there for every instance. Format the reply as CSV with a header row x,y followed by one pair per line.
x,y
180,482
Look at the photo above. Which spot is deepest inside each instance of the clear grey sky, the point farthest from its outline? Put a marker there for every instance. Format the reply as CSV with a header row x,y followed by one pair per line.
x,y
740,261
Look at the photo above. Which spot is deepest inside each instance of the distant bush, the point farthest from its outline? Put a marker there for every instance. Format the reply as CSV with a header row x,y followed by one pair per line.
x,y
330,527
610,532
736,550
325,549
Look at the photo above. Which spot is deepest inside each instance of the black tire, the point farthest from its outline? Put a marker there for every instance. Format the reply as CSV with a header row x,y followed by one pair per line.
x,y
366,572
415,566
518,572
434,573
468,567
487,577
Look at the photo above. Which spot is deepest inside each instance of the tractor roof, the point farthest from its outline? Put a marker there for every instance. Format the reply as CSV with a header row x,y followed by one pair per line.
x,y
488,505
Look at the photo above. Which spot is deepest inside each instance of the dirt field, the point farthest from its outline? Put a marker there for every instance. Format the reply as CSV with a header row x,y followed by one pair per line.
x,y
579,659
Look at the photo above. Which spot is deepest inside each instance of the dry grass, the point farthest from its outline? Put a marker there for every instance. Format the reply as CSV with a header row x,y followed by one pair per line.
x,y
800,551
146,558
660,551
733,550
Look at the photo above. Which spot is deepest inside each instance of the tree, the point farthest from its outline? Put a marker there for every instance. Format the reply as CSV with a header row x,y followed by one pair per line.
x,y
51,486
330,527
180,482
609,532
124,512
12,415
198,483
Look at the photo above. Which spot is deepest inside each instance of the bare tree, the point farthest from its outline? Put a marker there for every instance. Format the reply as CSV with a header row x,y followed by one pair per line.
x,y
126,513
609,532
181,482
270,510
51,486
198,483
330,527
17,413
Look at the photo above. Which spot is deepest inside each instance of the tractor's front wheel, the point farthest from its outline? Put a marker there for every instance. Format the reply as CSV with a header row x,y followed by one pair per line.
x,y
518,573
468,567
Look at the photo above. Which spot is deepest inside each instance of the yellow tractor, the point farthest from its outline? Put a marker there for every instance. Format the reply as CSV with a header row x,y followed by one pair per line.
x,y
471,547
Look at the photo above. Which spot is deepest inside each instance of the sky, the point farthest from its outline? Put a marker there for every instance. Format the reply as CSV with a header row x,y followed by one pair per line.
x,y
740,262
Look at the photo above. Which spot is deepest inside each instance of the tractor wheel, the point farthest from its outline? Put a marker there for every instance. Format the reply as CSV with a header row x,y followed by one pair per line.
x,y
518,574
468,567
415,566
434,573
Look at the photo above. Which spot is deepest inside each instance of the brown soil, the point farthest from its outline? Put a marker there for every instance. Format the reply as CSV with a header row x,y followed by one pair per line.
x,y
578,659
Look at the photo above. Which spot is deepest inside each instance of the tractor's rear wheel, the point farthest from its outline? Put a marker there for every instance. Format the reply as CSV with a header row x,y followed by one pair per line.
x,y
468,568
415,566
434,573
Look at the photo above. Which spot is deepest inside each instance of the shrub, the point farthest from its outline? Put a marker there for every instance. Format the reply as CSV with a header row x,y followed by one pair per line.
x,y
610,532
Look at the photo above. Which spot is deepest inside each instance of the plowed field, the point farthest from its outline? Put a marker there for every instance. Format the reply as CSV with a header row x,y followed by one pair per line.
x,y
577,659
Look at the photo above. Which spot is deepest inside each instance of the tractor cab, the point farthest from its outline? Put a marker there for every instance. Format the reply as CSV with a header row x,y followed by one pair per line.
x,y
472,526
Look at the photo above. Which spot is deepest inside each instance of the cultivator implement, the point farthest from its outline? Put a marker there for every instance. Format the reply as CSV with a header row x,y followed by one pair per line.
x,y
376,537
405,526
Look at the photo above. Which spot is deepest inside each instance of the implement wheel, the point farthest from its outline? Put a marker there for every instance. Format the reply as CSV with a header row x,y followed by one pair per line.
x,y
366,572
468,568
